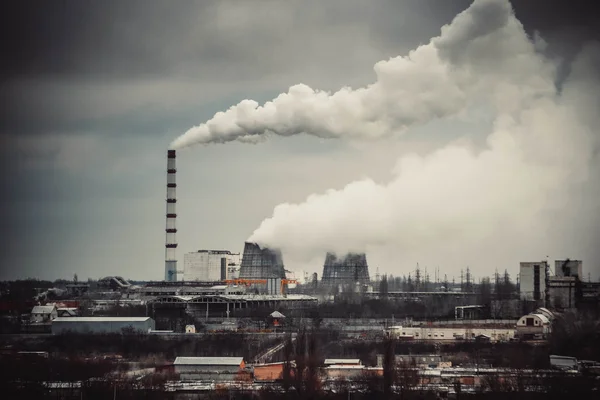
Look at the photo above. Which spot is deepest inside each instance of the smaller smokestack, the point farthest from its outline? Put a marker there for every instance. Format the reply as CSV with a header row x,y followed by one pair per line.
x,y
171,226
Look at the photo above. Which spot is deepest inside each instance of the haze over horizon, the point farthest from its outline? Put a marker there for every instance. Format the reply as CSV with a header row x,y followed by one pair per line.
x,y
476,145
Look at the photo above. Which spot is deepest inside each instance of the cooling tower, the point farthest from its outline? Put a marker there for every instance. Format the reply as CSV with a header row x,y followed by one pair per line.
x,y
260,263
351,268
171,228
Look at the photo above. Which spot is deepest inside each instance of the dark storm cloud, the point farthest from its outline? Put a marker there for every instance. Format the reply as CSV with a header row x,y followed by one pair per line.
x,y
86,38
73,64
577,19
70,65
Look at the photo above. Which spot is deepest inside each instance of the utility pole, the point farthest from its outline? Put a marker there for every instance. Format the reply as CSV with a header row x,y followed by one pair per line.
x,y
469,289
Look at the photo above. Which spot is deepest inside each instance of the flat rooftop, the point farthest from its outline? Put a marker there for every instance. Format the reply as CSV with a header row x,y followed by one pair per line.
x,y
101,319
208,361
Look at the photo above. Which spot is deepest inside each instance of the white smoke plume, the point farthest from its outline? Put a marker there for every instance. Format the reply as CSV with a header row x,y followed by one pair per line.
x,y
409,90
457,200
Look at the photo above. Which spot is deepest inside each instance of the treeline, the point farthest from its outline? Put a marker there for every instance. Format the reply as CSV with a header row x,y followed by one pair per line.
x,y
501,285
362,307
576,335
302,378
34,385
138,346
40,369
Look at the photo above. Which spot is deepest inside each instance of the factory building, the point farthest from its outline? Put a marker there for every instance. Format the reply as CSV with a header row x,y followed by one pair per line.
x,y
417,360
349,269
568,268
561,292
260,263
225,305
102,324
532,278
210,368
208,265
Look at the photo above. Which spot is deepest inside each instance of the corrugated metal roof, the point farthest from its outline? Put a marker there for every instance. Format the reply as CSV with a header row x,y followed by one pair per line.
x,y
101,319
542,318
208,361
262,297
42,309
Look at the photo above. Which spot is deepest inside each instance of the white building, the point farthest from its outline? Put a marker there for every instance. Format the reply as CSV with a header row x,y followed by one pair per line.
x,y
208,265
536,325
442,334
44,314
532,278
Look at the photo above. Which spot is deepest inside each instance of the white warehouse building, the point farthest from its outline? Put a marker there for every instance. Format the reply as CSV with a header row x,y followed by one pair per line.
x,y
209,265
102,325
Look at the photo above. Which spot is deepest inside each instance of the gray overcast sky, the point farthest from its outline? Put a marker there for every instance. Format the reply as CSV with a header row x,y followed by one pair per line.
x,y
94,92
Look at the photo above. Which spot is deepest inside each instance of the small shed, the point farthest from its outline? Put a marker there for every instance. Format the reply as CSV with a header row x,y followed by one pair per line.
x,y
483,338
533,325
43,314
276,318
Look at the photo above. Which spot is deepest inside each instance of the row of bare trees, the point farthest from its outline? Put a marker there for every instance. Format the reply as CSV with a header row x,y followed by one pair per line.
x,y
301,371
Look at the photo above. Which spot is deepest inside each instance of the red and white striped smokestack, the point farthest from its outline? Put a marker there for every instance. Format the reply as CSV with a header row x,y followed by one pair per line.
x,y
171,227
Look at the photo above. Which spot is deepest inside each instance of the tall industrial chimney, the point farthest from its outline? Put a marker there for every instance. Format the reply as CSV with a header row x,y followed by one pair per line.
x,y
171,227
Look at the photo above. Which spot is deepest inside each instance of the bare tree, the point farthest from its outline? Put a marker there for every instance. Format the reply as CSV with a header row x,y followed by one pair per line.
x,y
300,358
389,366
406,378
312,380
288,351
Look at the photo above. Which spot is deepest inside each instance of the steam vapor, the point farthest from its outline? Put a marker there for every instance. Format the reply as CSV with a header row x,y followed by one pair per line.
x,y
539,154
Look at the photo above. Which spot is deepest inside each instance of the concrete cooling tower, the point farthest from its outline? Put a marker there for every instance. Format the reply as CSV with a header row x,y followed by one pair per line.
x,y
260,263
351,268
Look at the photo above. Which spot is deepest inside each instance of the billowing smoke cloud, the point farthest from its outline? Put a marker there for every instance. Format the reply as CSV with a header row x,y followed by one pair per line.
x,y
409,90
528,179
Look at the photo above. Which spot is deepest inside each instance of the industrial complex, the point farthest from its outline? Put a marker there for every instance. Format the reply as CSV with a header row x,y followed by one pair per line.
x,y
240,321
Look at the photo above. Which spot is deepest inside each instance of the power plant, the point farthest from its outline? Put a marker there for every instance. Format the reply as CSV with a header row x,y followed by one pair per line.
x,y
171,226
260,263
350,269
